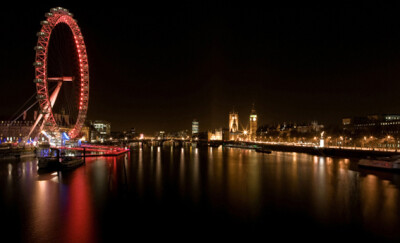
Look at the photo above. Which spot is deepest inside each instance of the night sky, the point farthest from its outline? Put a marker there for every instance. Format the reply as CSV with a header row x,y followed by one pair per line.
x,y
158,67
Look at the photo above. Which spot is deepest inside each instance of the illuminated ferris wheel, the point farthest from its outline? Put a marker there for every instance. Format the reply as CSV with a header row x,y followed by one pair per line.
x,y
61,75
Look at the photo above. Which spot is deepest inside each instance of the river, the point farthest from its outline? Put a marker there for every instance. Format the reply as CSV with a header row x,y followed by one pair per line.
x,y
189,194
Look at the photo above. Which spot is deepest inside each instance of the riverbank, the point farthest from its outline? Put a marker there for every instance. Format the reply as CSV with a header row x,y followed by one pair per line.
x,y
314,150
333,152
16,153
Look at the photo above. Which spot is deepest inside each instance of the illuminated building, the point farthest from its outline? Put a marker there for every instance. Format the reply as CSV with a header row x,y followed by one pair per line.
x,y
85,133
233,121
100,130
161,135
233,125
372,125
309,128
103,127
183,134
15,131
290,130
195,127
216,134
253,124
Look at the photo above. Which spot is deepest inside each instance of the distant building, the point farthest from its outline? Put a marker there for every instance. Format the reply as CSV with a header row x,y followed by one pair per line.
x,y
215,134
253,124
103,127
15,131
63,119
233,121
288,130
132,133
372,125
100,130
309,128
161,135
184,134
233,125
195,127
85,133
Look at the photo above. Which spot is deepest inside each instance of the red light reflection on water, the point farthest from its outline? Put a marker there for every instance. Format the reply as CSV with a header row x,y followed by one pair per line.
x,y
79,218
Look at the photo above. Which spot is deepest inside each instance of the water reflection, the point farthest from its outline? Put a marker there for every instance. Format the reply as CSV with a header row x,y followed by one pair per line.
x,y
155,186
195,182
158,169
182,172
79,222
140,172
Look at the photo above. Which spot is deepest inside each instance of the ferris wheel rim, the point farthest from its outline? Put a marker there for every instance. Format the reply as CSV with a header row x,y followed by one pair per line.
x,y
53,18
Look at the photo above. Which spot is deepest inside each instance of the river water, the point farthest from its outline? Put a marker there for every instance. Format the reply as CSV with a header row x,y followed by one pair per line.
x,y
198,194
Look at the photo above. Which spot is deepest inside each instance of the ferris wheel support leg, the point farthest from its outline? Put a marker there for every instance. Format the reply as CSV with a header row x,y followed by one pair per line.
x,y
53,98
33,128
54,95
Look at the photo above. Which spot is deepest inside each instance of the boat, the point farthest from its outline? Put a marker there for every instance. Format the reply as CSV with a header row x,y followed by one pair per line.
x,y
241,145
263,150
385,163
67,162
48,162
71,162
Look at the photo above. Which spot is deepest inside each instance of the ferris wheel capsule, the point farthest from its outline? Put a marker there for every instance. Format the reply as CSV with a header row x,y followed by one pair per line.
x,y
40,97
38,80
38,64
38,48
44,22
38,34
48,14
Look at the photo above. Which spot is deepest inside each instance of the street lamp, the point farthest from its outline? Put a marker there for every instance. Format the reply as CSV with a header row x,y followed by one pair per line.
x,y
341,141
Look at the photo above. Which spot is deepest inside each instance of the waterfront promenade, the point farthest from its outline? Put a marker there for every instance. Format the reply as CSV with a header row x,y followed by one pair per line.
x,y
355,152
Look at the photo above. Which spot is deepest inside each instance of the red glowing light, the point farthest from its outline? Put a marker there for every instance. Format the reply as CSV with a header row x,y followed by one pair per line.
x,y
41,71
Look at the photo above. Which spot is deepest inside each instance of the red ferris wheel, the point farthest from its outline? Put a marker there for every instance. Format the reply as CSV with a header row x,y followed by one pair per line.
x,y
49,83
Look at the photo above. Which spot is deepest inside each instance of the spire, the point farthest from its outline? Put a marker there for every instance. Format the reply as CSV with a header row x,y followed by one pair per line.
x,y
253,110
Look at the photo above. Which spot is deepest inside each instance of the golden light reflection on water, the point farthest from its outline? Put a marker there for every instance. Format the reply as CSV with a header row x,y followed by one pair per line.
x,y
158,175
242,183
382,195
140,171
195,176
182,172
43,207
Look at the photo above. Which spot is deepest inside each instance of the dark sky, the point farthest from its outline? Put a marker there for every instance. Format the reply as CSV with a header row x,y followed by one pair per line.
x,y
158,68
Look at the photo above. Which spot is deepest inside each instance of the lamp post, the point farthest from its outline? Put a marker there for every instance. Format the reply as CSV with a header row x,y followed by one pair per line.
x,y
341,141
245,135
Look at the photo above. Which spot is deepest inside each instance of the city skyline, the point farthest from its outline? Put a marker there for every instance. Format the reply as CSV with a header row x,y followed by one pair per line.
x,y
294,64
199,122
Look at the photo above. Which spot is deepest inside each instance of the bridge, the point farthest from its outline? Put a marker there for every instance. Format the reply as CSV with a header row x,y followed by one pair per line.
x,y
176,142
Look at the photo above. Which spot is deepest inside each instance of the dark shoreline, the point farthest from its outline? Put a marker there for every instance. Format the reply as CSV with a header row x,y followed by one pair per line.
x,y
326,151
